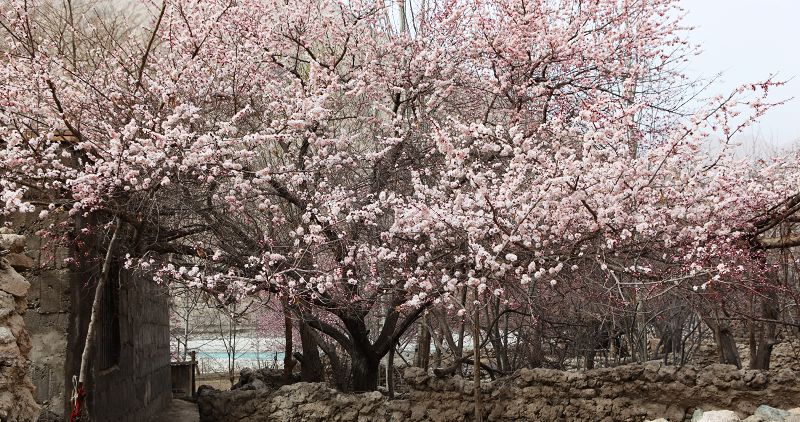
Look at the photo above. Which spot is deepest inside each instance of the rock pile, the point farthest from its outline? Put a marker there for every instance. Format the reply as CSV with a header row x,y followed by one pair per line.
x,y
624,393
260,379
762,413
16,389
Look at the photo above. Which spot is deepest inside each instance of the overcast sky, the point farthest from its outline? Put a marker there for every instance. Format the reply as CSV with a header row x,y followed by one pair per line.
x,y
747,40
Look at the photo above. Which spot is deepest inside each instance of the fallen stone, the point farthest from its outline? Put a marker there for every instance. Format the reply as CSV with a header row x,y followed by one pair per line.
x,y
719,416
256,384
771,414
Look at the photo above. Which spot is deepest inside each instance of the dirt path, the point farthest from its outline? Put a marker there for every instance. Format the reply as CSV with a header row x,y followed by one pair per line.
x,y
179,411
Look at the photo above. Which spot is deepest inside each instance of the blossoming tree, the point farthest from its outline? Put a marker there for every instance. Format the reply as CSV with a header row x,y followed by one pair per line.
x,y
369,161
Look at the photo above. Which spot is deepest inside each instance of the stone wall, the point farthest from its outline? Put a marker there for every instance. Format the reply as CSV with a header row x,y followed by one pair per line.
x,y
785,354
624,393
16,390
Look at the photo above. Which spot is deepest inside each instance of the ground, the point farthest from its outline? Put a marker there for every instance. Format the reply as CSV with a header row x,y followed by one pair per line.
x,y
179,411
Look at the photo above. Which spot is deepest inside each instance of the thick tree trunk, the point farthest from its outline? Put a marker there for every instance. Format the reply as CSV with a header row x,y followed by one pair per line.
x,y
364,371
590,355
723,336
311,369
726,346
767,339
764,354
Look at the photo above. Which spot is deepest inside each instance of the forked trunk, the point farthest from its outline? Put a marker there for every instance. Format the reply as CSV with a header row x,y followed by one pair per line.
x,y
364,372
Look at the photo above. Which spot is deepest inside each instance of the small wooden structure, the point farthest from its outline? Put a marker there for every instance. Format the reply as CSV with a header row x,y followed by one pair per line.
x,y
183,377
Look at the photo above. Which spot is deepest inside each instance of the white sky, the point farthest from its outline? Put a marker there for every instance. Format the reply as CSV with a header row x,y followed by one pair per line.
x,y
747,40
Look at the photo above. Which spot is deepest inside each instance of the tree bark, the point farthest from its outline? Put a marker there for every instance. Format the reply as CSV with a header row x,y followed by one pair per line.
x,y
364,371
311,367
288,361
390,373
423,356
726,345
476,346
767,339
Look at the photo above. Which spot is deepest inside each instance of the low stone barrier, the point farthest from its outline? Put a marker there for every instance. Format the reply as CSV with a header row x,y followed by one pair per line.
x,y
623,393
16,389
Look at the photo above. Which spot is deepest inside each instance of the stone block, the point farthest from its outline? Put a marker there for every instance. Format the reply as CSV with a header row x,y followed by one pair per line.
x,y
53,287
20,262
11,281
14,243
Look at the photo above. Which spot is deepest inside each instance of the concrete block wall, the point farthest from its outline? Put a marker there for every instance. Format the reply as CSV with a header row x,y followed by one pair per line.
x,y
48,319
141,383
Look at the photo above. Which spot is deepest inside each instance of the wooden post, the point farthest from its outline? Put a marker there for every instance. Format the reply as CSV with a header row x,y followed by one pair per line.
x,y
193,354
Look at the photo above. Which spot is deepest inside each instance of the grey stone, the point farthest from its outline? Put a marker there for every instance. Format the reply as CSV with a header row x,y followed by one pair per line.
x,y
719,416
7,304
6,336
769,413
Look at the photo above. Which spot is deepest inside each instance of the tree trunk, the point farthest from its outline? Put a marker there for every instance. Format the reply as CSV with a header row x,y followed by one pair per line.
x,y
726,346
390,373
476,346
311,368
423,356
91,331
590,355
288,361
437,341
364,371
536,354
340,373
459,352
767,339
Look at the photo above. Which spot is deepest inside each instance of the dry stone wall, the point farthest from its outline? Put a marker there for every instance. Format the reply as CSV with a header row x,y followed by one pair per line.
x,y
16,390
624,393
785,354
